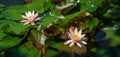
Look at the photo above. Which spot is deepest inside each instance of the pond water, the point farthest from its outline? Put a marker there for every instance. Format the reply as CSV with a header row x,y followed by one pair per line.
x,y
12,2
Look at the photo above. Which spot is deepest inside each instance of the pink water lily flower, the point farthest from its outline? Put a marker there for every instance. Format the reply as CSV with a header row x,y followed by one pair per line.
x,y
75,38
30,18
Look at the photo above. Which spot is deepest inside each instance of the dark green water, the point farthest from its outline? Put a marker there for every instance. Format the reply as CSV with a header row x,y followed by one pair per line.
x,y
12,2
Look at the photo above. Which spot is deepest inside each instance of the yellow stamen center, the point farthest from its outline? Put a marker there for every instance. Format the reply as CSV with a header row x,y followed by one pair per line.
x,y
30,16
75,36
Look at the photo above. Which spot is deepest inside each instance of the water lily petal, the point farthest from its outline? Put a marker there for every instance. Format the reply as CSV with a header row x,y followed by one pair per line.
x,y
78,44
78,1
24,16
38,18
33,12
71,31
31,17
70,36
36,15
26,23
71,44
76,31
29,13
82,36
32,23
75,37
80,32
68,41
83,42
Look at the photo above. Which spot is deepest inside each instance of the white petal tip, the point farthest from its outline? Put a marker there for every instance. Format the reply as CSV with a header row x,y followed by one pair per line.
x,y
78,44
68,41
83,42
71,44
65,43
87,13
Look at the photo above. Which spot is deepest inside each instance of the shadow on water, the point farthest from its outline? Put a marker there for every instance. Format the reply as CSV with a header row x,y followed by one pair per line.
x,y
12,2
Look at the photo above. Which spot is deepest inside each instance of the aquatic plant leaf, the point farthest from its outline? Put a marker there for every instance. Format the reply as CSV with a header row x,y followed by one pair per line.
x,y
62,22
94,50
51,53
92,23
48,5
1,9
15,28
48,19
55,45
23,51
12,14
41,2
2,5
3,23
79,50
8,42
89,5
12,27
33,52
36,35
2,35
1,16
34,6
70,16
64,48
